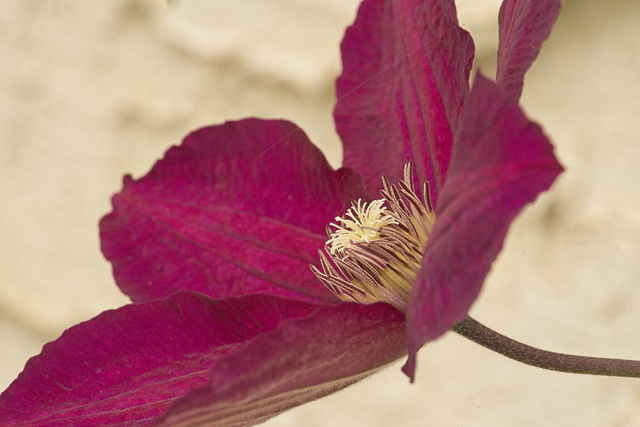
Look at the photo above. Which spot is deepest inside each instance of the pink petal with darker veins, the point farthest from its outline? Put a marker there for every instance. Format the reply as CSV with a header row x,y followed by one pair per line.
x,y
237,209
501,162
524,25
300,362
405,78
127,366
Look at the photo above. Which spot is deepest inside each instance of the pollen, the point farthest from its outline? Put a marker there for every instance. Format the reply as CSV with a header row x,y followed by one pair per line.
x,y
375,252
362,224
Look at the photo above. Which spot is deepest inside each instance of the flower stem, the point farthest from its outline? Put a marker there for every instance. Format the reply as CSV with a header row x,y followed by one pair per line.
x,y
478,333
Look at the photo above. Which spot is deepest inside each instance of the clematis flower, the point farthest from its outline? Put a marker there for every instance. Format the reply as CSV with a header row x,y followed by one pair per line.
x,y
236,316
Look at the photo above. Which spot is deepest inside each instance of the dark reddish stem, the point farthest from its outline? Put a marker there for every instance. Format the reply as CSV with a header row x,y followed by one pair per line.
x,y
478,333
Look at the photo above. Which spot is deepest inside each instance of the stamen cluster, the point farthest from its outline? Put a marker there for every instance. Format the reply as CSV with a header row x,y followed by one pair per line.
x,y
376,252
363,224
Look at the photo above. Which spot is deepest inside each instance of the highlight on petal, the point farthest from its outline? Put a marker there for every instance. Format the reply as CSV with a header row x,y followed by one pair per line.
x,y
237,209
524,25
405,78
501,162
129,365
299,362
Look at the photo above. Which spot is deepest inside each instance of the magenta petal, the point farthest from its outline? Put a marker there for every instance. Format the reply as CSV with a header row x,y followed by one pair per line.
x,y
524,25
405,78
501,161
237,209
130,364
299,362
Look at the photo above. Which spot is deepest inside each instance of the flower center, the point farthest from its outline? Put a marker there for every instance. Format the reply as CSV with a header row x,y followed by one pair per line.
x,y
363,224
375,253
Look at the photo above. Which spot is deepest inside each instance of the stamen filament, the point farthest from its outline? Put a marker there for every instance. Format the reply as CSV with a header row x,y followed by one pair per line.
x,y
375,251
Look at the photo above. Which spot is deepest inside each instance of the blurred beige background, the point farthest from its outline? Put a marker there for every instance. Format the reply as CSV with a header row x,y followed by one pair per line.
x,y
90,91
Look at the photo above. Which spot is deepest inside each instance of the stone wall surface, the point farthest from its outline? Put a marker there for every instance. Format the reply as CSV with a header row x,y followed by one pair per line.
x,y
90,91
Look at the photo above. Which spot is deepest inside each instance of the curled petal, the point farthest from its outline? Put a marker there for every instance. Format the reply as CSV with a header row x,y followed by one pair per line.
x,y
127,366
405,78
299,362
237,209
501,162
524,25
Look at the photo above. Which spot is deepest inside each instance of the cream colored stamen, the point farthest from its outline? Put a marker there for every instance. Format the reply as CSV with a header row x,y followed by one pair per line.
x,y
362,223
375,253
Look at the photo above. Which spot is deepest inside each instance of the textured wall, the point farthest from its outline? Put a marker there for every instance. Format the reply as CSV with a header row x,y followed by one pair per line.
x,y
89,92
